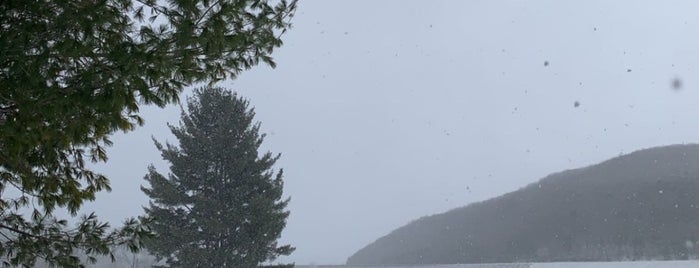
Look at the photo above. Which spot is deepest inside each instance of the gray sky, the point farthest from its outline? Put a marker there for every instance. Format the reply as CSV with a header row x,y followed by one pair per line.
x,y
386,111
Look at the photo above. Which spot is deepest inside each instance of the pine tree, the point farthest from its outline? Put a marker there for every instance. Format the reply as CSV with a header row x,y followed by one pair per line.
x,y
73,72
221,204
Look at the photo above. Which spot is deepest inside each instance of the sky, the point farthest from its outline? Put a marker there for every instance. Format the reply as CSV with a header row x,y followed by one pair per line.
x,y
387,111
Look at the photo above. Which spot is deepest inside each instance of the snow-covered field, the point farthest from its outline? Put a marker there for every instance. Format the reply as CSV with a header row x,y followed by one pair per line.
x,y
638,264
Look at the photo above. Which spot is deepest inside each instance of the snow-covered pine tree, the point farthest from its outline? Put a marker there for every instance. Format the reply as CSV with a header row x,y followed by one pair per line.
x,y
221,204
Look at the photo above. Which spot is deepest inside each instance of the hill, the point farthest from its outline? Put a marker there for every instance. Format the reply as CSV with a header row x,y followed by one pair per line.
x,y
643,205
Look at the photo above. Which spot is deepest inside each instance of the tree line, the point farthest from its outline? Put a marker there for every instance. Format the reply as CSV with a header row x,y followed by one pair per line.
x,y
72,73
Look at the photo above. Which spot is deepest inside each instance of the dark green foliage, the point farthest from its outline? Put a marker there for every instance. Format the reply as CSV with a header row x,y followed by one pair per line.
x,y
220,205
638,206
72,72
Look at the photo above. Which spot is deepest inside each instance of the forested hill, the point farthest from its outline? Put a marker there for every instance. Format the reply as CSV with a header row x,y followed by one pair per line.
x,y
644,205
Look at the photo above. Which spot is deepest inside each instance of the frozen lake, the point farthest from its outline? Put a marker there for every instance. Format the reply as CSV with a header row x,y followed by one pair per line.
x,y
636,264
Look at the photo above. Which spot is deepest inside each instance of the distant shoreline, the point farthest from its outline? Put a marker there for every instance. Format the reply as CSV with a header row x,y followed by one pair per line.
x,y
613,264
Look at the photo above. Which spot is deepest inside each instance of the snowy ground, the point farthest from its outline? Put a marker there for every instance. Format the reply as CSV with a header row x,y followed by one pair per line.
x,y
639,264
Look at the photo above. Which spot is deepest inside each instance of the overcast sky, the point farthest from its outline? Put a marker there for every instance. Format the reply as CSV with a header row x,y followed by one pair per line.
x,y
387,111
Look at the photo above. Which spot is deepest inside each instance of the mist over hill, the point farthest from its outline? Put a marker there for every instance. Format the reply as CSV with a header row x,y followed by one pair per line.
x,y
643,205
